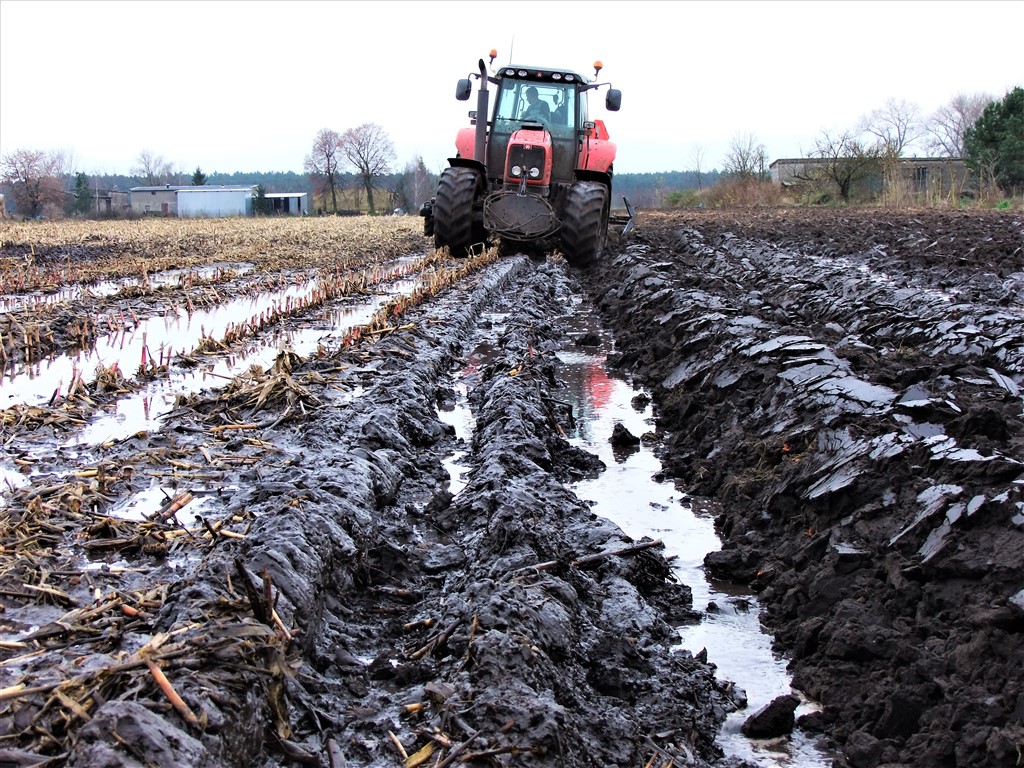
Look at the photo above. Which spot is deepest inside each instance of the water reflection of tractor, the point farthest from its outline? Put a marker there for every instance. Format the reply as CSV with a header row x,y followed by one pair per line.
x,y
538,174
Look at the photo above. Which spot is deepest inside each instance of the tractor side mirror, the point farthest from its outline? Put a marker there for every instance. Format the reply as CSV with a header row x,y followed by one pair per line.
x,y
463,89
613,100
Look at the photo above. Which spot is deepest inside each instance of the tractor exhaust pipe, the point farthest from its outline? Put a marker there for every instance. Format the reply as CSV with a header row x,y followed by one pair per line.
x,y
480,146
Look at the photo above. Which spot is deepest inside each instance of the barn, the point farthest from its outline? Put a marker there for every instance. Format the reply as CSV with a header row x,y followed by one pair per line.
x,y
161,200
288,203
213,202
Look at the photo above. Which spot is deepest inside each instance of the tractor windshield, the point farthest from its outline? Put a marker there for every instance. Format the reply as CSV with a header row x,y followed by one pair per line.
x,y
551,104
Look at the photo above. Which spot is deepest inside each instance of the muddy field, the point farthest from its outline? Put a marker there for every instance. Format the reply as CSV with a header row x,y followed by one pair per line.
x,y
234,530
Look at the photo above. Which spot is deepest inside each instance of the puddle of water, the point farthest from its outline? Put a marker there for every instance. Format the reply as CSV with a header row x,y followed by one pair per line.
x,y
145,504
103,288
627,494
177,331
461,419
141,411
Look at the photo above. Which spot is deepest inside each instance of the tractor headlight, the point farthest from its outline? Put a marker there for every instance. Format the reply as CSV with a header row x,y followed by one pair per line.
x,y
534,172
517,170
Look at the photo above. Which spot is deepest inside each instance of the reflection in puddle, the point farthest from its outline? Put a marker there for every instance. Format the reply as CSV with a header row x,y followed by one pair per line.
x,y
141,411
461,419
627,494
102,288
179,331
146,504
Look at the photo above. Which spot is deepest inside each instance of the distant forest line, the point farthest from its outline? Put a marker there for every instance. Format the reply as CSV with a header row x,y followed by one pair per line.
x,y
642,189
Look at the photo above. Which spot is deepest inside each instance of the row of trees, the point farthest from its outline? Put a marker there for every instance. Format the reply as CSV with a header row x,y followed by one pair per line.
x,y
987,133
366,150
38,182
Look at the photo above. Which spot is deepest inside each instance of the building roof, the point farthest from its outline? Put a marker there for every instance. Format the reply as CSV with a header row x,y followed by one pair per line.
x,y
285,194
191,188
218,188
794,160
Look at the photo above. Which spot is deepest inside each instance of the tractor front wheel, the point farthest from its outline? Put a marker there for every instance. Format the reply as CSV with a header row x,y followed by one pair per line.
x,y
585,223
453,212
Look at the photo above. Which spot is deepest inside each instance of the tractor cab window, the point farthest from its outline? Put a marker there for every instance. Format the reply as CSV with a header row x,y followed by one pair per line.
x,y
552,105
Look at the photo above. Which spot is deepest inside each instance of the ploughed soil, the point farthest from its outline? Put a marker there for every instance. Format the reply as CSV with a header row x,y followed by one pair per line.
x,y
842,389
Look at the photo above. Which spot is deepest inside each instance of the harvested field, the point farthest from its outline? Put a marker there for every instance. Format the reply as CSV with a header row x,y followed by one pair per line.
x,y
239,527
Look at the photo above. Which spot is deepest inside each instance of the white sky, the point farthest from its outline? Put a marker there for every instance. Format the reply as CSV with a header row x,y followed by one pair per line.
x,y
245,85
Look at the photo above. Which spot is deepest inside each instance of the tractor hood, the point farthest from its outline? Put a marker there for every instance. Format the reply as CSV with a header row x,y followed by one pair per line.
x,y
529,157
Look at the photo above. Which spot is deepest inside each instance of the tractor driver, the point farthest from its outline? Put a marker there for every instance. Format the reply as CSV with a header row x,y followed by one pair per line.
x,y
538,109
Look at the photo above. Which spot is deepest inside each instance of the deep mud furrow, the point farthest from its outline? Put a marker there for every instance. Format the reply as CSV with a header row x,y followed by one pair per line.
x,y
868,470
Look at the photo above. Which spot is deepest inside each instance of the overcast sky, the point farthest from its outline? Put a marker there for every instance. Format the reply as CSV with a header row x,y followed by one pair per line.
x,y
246,85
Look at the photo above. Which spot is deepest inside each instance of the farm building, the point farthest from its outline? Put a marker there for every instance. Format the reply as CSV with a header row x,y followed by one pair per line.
x,y
288,203
213,202
918,175
162,200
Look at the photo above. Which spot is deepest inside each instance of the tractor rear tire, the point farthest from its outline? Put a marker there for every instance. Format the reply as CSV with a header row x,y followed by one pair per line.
x,y
453,212
585,223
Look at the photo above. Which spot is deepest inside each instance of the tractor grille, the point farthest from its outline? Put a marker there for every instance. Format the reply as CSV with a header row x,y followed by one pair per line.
x,y
526,159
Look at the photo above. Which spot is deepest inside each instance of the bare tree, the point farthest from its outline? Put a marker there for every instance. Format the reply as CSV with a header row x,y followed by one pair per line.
x,y
415,185
152,168
35,178
847,160
946,127
746,158
896,126
323,163
369,150
697,157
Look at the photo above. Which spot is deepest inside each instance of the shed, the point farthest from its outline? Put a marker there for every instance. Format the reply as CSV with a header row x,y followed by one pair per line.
x,y
161,200
288,203
212,202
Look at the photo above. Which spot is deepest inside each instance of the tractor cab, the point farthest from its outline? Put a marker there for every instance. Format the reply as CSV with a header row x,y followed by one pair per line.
x,y
562,107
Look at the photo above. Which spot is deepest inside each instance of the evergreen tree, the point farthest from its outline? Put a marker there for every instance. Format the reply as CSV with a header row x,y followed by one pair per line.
x,y
83,202
198,177
260,203
995,143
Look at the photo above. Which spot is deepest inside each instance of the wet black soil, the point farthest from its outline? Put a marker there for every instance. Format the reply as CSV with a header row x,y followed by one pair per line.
x,y
843,389
846,387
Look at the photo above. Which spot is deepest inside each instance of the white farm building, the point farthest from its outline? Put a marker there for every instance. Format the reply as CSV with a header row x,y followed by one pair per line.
x,y
213,202
208,201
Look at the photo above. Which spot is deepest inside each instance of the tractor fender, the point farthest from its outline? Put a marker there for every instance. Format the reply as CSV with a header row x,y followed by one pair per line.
x,y
605,177
597,155
465,142
468,162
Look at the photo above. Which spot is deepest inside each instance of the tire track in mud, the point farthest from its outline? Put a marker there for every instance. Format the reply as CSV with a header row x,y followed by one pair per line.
x,y
861,431
390,612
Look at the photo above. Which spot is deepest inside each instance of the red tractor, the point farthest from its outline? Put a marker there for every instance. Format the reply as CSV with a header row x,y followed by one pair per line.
x,y
538,175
